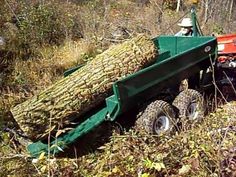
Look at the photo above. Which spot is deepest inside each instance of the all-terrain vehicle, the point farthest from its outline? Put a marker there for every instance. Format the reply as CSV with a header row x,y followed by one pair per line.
x,y
226,63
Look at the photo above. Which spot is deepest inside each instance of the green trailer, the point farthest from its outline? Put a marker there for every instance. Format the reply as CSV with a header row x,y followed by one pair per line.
x,y
179,58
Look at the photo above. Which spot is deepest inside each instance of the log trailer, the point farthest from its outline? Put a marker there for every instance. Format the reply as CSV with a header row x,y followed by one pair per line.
x,y
157,87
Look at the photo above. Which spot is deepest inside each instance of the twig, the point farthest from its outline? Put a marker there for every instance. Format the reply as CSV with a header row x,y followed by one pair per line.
x,y
213,79
14,156
12,12
230,82
222,95
220,130
169,25
49,143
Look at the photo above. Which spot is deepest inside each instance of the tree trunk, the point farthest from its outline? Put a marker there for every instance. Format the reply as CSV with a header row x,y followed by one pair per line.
x,y
206,11
84,89
231,9
178,5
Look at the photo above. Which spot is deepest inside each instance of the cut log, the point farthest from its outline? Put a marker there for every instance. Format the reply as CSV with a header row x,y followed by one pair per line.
x,y
84,89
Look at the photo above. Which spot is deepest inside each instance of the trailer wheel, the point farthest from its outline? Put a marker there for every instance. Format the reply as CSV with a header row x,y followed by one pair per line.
x,y
190,104
158,118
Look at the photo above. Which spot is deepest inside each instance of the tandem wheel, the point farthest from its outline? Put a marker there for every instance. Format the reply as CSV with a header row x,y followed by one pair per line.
x,y
158,118
190,105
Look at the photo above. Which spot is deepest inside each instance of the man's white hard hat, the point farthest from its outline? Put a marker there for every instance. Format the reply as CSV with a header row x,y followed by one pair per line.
x,y
186,22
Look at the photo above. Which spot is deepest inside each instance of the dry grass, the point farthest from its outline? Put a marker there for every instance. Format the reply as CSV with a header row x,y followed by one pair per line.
x,y
73,53
51,63
200,151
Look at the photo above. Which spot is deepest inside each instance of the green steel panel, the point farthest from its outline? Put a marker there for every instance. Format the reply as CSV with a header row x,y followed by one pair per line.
x,y
177,45
163,54
59,144
113,104
188,55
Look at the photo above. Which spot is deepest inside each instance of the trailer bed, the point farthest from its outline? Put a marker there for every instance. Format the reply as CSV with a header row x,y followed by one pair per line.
x,y
179,58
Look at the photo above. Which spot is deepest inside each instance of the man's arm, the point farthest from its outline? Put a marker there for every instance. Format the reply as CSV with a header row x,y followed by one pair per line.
x,y
179,33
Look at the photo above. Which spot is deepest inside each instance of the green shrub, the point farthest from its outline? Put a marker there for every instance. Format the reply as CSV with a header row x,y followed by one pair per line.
x,y
40,23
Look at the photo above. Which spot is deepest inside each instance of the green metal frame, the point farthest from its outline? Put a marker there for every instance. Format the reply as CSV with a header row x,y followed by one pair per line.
x,y
179,58
196,27
71,70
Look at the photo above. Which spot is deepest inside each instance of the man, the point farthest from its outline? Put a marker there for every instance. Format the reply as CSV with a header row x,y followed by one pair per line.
x,y
186,27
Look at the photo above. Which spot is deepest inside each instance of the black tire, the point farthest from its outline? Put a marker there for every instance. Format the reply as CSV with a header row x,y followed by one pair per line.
x,y
191,106
158,118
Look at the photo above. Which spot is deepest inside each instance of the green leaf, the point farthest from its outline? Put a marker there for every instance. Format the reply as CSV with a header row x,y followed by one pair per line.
x,y
158,166
184,169
148,163
145,175
41,156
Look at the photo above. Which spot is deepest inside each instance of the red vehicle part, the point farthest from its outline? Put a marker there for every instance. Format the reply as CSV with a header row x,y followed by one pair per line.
x,y
227,44
226,63
227,50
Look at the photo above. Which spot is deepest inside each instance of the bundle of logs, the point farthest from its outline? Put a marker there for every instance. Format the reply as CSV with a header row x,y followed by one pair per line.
x,y
84,89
